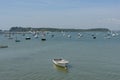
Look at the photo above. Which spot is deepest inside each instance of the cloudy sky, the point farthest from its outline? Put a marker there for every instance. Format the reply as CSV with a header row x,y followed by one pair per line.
x,y
82,14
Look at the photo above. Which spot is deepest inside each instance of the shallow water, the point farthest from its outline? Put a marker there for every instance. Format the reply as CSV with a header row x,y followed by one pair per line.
x,y
90,59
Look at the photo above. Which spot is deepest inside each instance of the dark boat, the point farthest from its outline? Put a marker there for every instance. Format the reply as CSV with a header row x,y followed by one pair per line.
x,y
43,39
27,38
3,46
17,40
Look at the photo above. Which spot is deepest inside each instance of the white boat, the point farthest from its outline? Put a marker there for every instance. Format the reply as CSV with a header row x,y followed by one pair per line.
x,y
60,62
36,36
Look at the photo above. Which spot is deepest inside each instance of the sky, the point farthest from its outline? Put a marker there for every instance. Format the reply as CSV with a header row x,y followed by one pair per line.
x,y
78,14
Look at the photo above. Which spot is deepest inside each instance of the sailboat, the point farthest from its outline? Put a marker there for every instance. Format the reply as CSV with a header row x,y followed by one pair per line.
x,y
17,40
43,37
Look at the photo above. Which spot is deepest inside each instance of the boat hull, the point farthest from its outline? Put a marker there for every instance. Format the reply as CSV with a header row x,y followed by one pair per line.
x,y
60,65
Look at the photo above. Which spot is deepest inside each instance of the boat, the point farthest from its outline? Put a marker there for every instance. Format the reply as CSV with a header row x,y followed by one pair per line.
x,y
17,40
60,62
35,36
27,38
43,39
3,46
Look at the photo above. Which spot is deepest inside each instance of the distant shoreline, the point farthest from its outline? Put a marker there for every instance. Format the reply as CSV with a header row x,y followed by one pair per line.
x,y
23,29
30,29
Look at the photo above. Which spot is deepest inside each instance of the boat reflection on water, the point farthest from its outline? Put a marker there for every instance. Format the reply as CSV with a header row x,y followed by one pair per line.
x,y
61,69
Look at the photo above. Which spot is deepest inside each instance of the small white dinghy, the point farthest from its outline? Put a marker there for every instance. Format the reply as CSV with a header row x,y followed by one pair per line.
x,y
60,62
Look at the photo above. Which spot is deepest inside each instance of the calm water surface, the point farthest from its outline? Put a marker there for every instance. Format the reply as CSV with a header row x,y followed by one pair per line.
x,y
90,59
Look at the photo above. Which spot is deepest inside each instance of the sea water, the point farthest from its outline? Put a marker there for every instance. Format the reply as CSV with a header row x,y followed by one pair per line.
x,y
89,58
